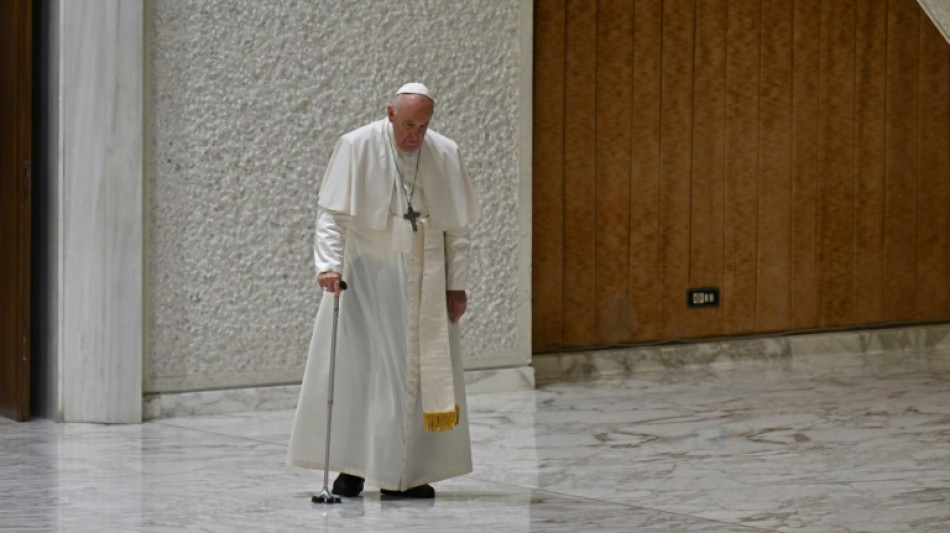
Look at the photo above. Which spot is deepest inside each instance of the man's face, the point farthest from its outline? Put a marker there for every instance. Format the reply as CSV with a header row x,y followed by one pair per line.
x,y
410,115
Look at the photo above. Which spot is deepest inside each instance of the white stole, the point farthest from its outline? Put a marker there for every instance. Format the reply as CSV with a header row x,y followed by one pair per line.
x,y
428,326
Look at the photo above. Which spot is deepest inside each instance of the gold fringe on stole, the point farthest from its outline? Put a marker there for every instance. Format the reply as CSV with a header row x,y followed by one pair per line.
x,y
444,421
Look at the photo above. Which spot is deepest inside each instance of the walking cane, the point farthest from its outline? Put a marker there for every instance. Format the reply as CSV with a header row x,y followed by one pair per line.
x,y
325,495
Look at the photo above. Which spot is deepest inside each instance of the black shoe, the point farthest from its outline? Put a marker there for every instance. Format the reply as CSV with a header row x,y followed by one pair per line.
x,y
347,485
422,492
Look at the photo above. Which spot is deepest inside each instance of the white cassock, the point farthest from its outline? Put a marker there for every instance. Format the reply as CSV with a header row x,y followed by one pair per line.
x,y
396,350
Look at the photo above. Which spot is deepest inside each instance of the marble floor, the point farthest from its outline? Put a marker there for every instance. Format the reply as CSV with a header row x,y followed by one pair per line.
x,y
713,451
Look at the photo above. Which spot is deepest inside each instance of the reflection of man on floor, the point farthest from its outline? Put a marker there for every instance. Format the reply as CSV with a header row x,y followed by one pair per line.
x,y
393,215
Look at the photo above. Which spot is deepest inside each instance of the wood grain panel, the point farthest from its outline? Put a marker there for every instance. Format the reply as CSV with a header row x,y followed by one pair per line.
x,y
869,139
548,175
900,229
10,373
675,171
805,168
933,185
708,173
16,36
742,147
614,83
773,275
836,137
645,174
794,153
579,174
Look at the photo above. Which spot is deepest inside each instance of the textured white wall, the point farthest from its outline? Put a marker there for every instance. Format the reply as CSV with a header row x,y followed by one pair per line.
x,y
246,100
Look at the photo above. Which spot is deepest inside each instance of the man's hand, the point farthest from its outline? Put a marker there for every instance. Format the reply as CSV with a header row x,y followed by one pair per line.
x,y
457,302
329,281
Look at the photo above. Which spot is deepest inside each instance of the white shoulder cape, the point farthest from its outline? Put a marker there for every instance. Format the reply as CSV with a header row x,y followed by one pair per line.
x,y
360,179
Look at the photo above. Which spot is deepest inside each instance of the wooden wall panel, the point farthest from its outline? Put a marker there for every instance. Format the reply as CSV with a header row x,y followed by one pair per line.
x,y
579,173
16,60
742,151
869,138
548,179
645,171
613,132
675,171
805,168
795,154
708,174
836,138
773,275
900,222
933,185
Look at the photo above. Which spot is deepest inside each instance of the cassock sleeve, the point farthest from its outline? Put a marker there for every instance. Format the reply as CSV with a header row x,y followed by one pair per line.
x,y
457,252
328,240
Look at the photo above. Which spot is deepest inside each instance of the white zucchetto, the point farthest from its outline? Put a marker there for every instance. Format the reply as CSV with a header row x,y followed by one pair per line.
x,y
415,88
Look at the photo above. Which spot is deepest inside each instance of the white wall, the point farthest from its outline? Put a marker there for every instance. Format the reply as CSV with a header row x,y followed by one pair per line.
x,y
245,102
183,146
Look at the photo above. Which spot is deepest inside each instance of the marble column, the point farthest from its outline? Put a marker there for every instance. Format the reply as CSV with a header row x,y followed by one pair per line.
x,y
100,213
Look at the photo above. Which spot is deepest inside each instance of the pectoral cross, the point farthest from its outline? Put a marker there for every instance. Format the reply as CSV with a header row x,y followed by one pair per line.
x,y
411,216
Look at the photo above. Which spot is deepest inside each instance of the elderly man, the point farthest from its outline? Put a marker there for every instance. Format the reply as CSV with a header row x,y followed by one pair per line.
x,y
393,215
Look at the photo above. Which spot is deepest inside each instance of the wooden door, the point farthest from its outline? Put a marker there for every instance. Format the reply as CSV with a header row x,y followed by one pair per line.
x,y
16,36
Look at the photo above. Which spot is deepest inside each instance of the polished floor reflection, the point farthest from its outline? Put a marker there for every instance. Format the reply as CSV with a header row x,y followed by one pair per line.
x,y
753,450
